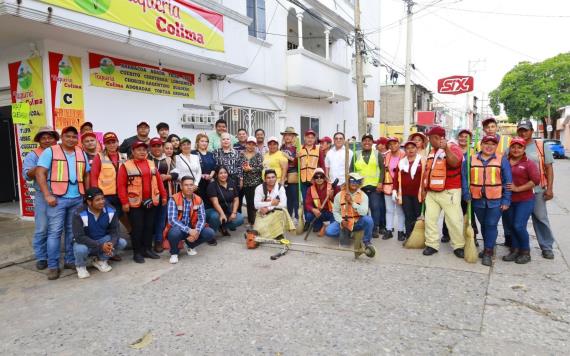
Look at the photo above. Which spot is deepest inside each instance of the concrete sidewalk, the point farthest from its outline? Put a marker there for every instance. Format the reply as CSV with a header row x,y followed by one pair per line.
x,y
230,300
16,237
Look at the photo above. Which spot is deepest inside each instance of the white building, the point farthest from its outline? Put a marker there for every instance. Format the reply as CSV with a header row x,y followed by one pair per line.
x,y
283,63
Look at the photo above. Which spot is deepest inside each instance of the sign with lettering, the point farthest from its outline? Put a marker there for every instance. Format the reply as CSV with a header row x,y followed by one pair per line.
x,y
457,84
66,82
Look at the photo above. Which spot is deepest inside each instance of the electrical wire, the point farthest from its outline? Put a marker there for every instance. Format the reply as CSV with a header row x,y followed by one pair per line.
x,y
501,13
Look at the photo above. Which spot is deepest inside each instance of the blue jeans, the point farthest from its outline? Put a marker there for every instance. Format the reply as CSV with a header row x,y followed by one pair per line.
x,y
377,206
59,218
175,235
213,219
541,223
325,216
41,230
160,213
364,223
292,192
489,219
81,251
517,218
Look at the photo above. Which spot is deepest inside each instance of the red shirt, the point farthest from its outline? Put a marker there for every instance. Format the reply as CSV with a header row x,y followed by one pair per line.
x,y
96,168
144,168
322,192
453,180
523,171
410,187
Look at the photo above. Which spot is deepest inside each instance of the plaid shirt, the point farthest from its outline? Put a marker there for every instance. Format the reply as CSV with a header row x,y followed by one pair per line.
x,y
184,223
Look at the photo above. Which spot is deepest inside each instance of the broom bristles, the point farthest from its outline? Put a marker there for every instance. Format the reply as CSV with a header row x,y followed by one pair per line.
x,y
417,238
471,253
301,223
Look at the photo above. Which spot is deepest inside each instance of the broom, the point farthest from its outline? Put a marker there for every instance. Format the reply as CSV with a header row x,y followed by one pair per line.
x,y
301,222
471,254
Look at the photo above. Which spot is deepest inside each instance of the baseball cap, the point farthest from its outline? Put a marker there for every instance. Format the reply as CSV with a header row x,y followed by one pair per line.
x,y
355,177
310,132
436,130
143,123
251,139
273,139
392,139
488,138
69,129
88,134
382,141
91,193
326,139
155,141
137,144
525,124
518,141
410,143
110,136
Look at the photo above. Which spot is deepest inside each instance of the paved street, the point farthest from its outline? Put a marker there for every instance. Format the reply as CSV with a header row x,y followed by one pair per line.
x,y
230,300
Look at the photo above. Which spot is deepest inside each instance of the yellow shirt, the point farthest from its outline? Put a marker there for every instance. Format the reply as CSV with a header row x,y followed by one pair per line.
x,y
274,161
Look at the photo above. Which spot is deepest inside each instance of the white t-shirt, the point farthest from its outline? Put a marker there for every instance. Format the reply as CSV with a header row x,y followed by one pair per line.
x,y
188,167
334,161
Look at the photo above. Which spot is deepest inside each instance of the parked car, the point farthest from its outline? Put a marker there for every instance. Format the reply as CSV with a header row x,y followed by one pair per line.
x,y
556,147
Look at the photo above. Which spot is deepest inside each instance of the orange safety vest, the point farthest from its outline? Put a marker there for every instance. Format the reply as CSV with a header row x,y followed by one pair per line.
x,y
59,174
435,177
317,201
486,177
107,180
423,165
309,161
388,184
541,166
179,201
347,212
135,182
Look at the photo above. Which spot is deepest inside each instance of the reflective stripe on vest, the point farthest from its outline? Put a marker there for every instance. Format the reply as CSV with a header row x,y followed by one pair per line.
x,y
317,201
107,180
179,201
59,174
369,171
436,174
347,212
486,180
135,184
388,185
541,162
309,161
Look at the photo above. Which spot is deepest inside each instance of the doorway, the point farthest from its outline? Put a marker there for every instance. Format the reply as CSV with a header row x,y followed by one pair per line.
x,y
8,180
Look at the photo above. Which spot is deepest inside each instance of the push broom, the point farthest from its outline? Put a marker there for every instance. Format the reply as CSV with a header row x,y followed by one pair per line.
x,y
471,254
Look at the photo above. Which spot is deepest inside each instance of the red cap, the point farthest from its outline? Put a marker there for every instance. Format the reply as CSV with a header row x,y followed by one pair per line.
x,y
326,139
436,130
143,123
465,131
424,138
156,141
110,136
410,143
488,120
518,141
310,132
392,139
490,138
137,144
69,128
382,141
88,134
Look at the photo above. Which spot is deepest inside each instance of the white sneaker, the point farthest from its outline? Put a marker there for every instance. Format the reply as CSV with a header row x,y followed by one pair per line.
x,y
82,272
174,259
102,266
191,251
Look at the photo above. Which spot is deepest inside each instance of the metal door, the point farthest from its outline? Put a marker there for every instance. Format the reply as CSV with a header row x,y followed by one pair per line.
x,y
250,119
8,180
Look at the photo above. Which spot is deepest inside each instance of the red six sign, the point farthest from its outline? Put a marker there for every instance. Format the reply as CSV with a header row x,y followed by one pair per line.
x,y
457,84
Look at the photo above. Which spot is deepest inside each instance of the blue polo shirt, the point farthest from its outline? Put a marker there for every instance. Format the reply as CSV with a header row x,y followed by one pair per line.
x,y
73,189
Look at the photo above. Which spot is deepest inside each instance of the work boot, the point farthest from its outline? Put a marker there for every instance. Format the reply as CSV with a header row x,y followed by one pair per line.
x,y
138,258
69,266
548,254
158,247
487,259
523,257
445,238
388,235
428,251
375,233
512,256
401,236
53,273
382,231
459,253
41,264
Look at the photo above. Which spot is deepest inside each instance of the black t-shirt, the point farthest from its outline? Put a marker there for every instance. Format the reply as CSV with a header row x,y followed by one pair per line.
x,y
225,196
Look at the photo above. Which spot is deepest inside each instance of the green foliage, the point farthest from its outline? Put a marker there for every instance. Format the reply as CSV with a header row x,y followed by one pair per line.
x,y
525,88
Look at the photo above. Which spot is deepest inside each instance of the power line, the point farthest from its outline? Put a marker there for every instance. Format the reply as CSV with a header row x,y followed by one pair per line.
x,y
501,13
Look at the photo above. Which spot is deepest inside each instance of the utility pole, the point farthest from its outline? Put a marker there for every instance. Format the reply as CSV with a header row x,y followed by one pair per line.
x,y
358,42
408,110
549,124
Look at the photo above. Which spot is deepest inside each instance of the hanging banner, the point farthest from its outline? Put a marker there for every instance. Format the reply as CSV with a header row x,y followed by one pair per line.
x,y
66,84
27,86
175,19
114,73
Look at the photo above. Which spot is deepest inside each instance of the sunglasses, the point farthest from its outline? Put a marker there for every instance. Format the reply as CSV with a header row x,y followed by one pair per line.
x,y
354,181
319,176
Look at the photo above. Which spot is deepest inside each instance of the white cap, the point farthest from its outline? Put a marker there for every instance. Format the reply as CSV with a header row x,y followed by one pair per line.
x,y
251,139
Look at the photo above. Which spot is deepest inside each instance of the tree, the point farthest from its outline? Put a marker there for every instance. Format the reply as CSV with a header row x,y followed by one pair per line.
x,y
524,90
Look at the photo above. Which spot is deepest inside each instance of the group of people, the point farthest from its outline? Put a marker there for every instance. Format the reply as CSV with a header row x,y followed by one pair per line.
x,y
171,194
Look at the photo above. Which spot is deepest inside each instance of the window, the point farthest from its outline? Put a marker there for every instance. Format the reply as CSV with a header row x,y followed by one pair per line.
x,y
309,123
256,10
250,119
